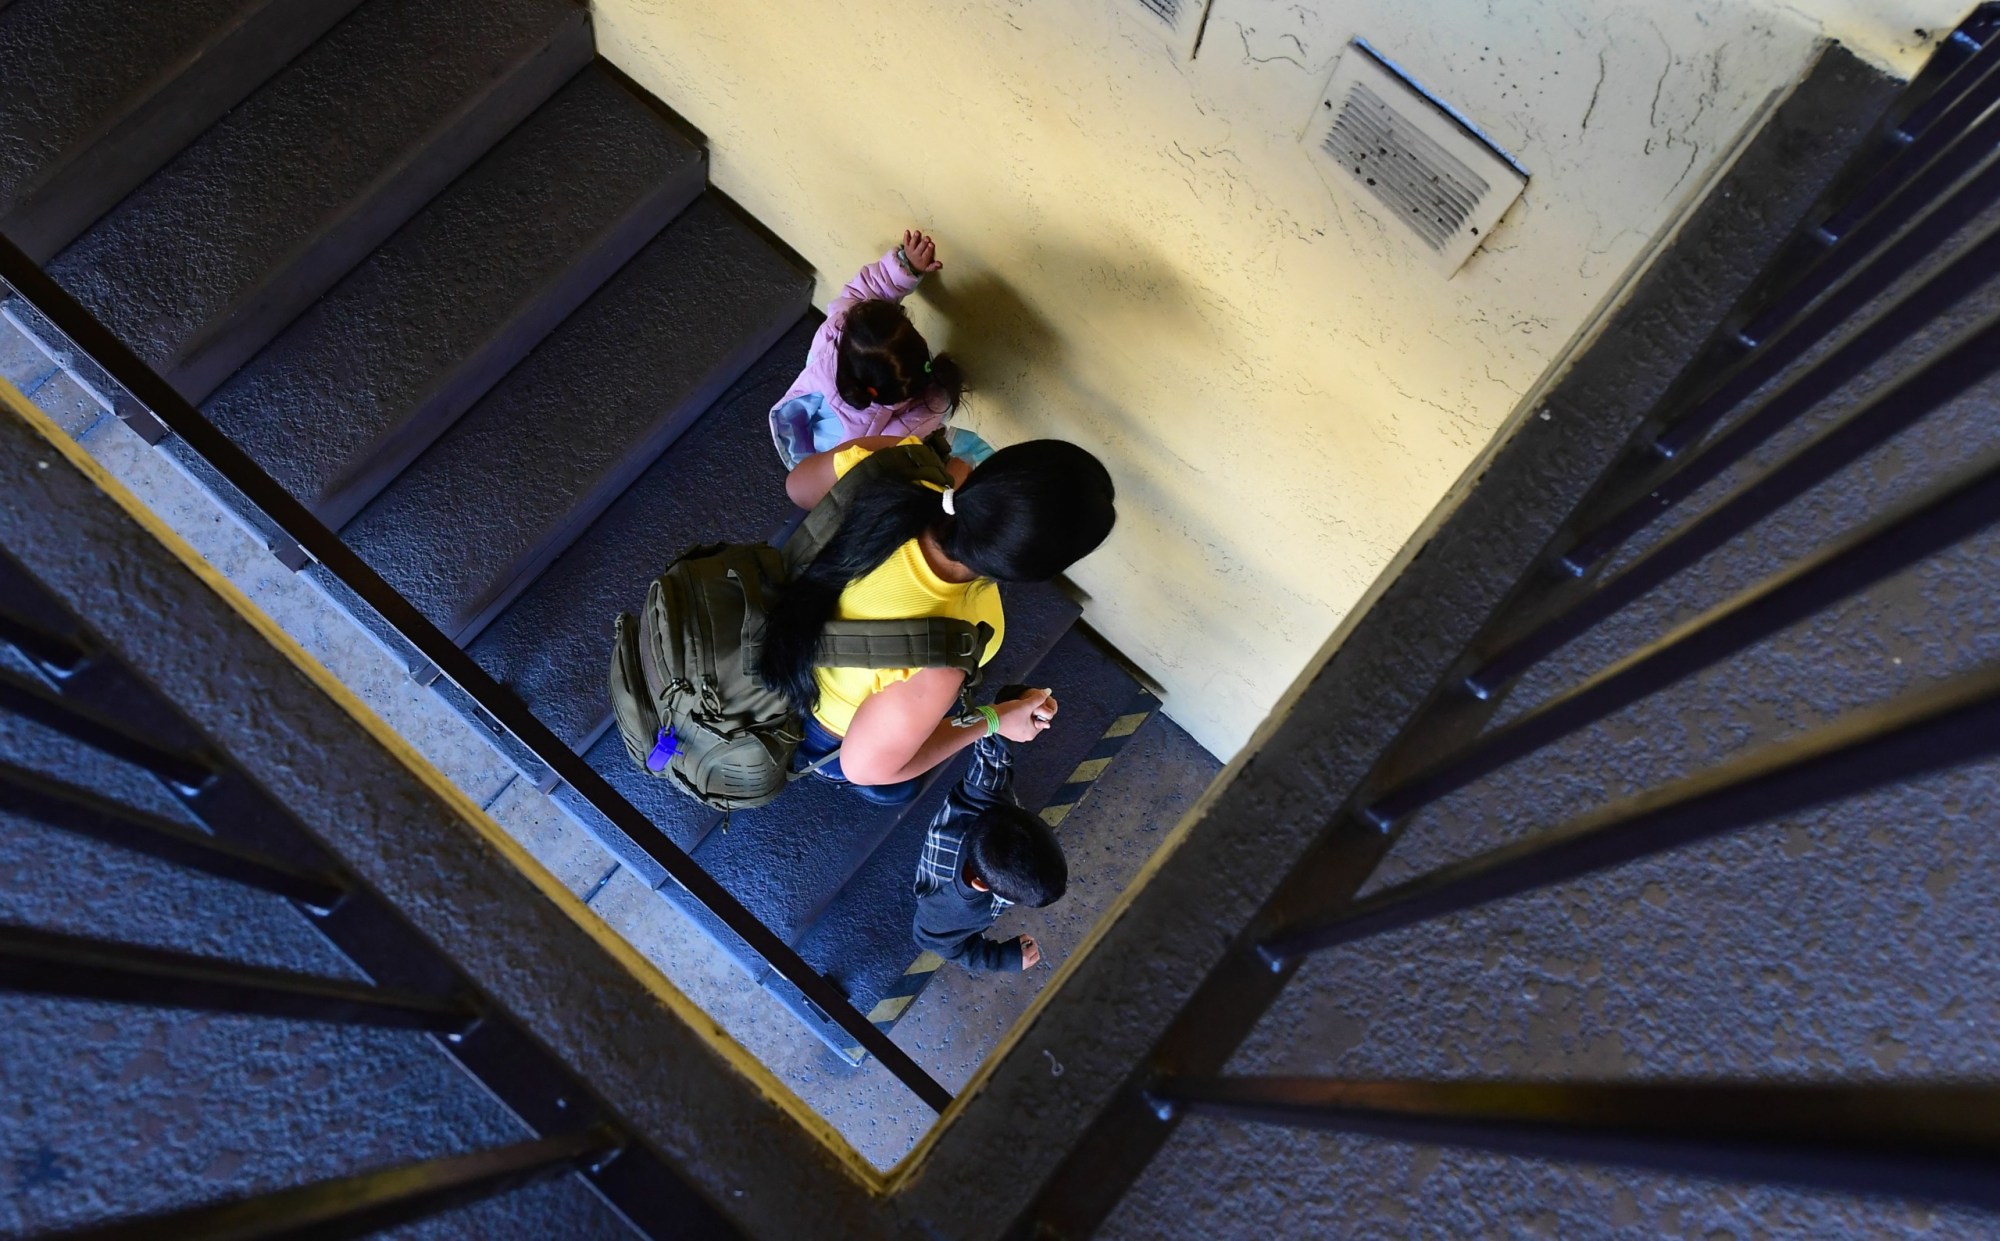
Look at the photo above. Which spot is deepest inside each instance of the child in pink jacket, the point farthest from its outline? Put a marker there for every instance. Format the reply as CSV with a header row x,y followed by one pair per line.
x,y
868,371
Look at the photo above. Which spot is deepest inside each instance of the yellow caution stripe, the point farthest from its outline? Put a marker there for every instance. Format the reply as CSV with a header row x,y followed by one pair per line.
x,y
891,1007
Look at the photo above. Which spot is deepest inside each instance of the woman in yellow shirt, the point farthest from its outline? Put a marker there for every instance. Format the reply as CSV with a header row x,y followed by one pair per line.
x,y
906,550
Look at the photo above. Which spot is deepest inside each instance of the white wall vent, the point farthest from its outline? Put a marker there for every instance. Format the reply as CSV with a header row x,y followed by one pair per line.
x,y
1401,151
1181,22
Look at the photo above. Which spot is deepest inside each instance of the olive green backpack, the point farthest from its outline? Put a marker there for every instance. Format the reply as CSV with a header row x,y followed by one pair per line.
x,y
685,690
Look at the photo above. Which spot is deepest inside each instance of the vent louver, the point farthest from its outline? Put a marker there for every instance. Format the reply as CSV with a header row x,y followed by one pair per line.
x,y
1180,22
1399,150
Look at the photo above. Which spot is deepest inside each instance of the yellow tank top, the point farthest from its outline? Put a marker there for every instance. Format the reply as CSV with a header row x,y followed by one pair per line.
x,y
901,587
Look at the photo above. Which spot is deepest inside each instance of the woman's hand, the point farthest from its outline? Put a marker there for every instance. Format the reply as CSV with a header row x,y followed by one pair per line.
x,y
1027,717
920,252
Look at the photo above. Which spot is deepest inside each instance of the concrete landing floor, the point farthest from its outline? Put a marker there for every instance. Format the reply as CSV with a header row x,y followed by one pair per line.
x,y
950,1029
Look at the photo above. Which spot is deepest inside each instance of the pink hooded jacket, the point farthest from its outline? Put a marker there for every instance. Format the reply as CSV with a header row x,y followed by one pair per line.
x,y
811,417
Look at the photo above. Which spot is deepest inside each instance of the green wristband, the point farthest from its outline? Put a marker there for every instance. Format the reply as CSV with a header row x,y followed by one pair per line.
x,y
992,719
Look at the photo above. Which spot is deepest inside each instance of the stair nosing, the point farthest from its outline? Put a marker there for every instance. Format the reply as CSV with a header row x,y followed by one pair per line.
x,y
342,499
83,159
315,263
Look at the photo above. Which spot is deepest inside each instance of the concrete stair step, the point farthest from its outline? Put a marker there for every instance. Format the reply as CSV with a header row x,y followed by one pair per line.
x,y
376,370
545,453
719,482
96,95
862,939
206,262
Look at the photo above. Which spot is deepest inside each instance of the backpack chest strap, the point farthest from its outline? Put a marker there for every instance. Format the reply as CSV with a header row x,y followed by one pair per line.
x,y
924,642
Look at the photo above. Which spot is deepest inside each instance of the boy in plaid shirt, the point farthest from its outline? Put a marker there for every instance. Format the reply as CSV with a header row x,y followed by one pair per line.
x,y
983,852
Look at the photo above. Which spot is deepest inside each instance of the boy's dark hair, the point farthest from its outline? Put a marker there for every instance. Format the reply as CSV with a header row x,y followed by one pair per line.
x,y
883,359
1016,856
1024,515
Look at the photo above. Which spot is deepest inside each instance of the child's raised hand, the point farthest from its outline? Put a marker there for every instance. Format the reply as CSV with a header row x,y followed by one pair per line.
x,y
920,252
1031,952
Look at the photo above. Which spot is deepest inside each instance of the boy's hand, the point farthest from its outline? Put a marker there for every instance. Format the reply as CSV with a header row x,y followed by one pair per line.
x,y
1025,718
920,252
1031,952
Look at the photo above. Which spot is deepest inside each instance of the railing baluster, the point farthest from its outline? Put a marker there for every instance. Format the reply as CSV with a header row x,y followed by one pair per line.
x,y
1924,732
1957,115
1890,543
33,701
1940,1143
1972,360
47,963
1608,524
1911,198
78,810
369,1202
1869,280
1969,70
57,654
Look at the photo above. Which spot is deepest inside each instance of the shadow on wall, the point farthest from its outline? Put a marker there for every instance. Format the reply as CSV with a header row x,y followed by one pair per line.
x,y
1030,378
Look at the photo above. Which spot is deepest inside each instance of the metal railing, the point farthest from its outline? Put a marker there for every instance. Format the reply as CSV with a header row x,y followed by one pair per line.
x,y
83,692
1931,172
148,403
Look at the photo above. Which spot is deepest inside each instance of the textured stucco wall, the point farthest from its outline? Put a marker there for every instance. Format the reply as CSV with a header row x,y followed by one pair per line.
x,y
1139,255
1894,34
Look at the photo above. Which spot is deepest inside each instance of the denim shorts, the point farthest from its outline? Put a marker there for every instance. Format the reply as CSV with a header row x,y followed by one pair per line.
x,y
818,743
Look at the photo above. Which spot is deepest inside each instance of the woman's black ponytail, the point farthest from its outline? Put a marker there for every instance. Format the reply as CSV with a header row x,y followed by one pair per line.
x,y
881,519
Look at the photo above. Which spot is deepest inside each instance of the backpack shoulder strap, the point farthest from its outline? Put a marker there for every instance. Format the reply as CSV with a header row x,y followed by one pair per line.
x,y
917,463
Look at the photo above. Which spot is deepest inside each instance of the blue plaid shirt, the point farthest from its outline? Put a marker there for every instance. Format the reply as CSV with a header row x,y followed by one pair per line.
x,y
952,915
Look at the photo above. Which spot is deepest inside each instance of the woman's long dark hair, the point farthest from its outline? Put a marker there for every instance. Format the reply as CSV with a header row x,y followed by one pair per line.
x,y
882,359
1024,515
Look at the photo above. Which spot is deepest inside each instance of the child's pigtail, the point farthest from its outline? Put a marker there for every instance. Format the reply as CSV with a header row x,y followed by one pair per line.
x,y
947,379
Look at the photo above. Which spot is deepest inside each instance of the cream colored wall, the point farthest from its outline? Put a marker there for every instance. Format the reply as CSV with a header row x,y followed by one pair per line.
x,y
1895,34
1139,256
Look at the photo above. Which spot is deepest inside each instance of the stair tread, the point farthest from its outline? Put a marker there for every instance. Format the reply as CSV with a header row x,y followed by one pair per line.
x,y
863,941
569,429
96,94
354,390
221,248
719,482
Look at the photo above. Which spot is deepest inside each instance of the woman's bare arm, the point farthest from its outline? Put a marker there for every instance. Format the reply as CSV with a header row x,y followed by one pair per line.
x,y
898,733
813,477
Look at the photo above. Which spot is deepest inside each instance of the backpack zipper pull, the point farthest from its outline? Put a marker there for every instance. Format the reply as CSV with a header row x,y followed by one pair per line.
x,y
665,746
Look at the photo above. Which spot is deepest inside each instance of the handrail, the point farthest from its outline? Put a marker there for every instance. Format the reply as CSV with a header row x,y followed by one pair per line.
x,y
297,523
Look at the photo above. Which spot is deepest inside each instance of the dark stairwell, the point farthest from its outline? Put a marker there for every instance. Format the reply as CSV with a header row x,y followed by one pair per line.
x,y
460,290
587,397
